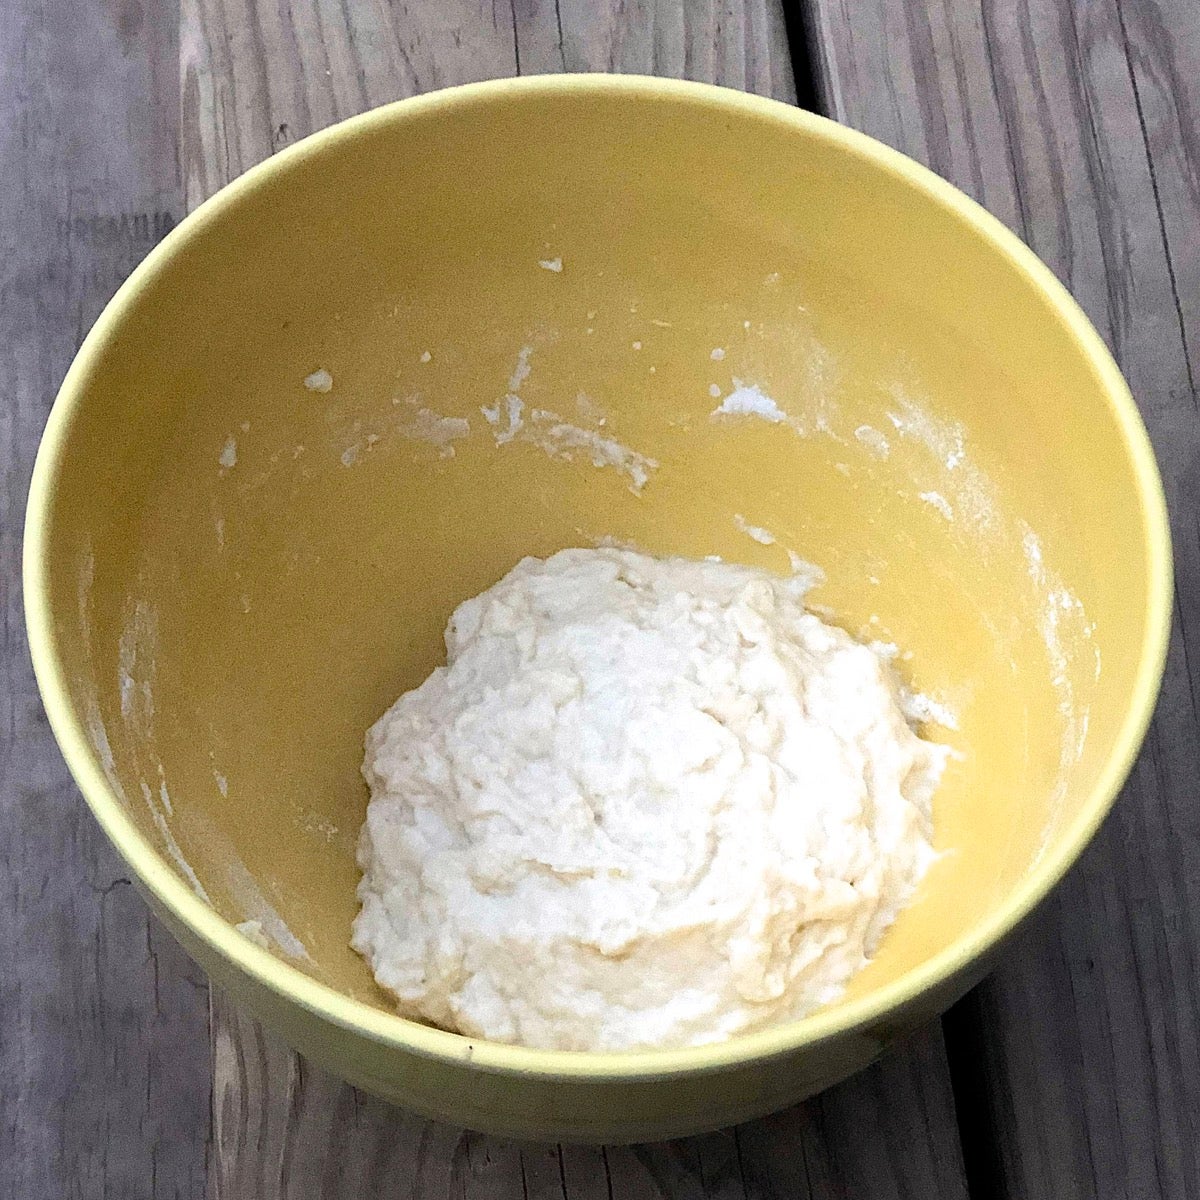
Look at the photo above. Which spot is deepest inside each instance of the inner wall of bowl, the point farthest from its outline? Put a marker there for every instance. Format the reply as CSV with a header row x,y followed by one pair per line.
x,y
529,312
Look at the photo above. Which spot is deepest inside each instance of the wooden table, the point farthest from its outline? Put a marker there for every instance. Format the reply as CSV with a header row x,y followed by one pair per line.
x,y
1075,1070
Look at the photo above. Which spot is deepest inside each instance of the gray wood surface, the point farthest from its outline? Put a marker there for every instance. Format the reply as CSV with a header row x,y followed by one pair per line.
x,y
104,1081
1077,1066
251,82
1078,1061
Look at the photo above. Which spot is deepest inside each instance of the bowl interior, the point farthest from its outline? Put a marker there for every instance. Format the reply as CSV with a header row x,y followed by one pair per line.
x,y
246,571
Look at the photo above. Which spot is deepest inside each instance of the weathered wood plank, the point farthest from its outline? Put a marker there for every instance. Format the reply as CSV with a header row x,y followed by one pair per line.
x,y
284,1129
104,1048
257,76
250,83
1076,125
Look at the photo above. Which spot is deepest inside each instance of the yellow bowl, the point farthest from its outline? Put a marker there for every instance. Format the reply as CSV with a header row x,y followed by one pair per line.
x,y
230,572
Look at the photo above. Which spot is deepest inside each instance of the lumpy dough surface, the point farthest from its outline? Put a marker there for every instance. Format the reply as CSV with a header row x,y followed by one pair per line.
x,y
646,802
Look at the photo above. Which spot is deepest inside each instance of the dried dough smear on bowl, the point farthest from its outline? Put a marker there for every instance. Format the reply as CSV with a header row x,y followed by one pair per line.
x,y
367,379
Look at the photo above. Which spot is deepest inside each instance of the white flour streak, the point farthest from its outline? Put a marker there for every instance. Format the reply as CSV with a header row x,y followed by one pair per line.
x,y
172,846
1064,630
764,537
551,264
137,648
521,370
420,424
243,889
945,439
513,407
253,931
505,417
248,896
938,501
100,743
953,482
228,457
560,439
873,440
137,667
749,400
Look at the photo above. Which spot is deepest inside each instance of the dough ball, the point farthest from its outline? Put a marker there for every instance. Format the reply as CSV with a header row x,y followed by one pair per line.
x,y
647,802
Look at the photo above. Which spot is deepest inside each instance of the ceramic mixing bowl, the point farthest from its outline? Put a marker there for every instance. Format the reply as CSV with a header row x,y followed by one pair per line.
x,y
368,377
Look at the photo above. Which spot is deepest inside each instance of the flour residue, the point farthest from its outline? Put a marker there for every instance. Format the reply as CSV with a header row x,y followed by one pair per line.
x,y
938,501
250,898
319,381
229,454
159,817
809,574
1065,630
918,707
253,931
764,537
505,418
947,479
589,411
936,469
944,438
551,264
925,710
969,501
137,648
244,893
521,370
563,440
560,438
97,733
749,400
420,424
873,440
137,674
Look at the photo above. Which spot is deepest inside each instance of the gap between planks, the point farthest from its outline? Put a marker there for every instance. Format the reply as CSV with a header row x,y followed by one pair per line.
x,y
1076,1061
254,78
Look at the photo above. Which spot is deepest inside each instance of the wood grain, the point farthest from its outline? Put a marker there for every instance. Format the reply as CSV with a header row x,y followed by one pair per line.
x,y
284,1129
103,1046
255,77
1076,123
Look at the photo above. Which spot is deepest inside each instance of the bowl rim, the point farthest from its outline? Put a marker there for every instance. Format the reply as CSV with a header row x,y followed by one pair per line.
x,y
293,985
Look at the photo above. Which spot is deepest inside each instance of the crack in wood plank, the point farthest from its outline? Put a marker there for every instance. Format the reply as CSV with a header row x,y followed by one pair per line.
x,y
1085,1079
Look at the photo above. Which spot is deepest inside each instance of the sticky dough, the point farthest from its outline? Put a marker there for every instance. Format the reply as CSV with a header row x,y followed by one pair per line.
x,y
647,802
